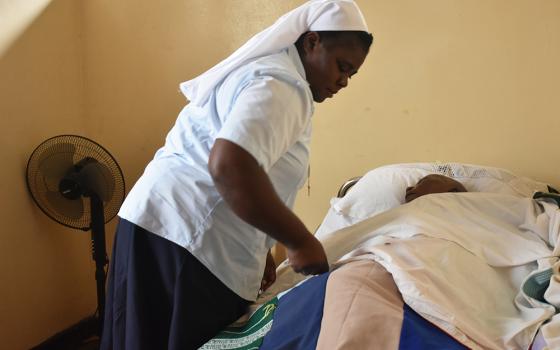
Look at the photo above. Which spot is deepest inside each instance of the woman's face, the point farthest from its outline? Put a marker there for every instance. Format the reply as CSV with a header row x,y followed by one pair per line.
x,y
329,64
433,184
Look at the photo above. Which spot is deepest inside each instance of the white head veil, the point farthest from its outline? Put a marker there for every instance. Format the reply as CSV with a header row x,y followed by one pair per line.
x,y
314,15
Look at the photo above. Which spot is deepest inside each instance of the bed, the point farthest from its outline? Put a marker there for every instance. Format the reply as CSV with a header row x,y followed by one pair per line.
x,y
473,270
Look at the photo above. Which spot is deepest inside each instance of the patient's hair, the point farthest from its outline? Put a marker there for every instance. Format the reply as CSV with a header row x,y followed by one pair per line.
x,y
365,39
433,183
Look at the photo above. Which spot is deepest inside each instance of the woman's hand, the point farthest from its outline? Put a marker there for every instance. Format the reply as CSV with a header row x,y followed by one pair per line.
x,y
269,275
308,257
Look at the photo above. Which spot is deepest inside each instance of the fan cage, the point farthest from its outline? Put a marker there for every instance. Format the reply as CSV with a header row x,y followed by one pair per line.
x,y
84,148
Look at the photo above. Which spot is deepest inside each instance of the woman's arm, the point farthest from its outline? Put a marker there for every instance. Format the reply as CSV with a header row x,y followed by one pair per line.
x,y
247,189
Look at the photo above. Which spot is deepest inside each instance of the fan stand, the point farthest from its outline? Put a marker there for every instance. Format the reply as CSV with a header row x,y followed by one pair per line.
x,y
62,173
99,254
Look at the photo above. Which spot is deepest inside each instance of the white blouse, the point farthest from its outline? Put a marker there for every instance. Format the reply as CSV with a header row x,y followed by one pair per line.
x,y
265,107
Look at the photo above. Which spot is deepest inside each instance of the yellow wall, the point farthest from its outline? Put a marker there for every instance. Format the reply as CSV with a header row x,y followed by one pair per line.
x,y
467,81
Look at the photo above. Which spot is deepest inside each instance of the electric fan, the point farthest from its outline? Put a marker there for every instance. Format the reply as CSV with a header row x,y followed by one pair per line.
x,y
77,183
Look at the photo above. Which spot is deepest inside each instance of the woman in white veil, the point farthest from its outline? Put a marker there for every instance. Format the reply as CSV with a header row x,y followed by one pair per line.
x,y
192,248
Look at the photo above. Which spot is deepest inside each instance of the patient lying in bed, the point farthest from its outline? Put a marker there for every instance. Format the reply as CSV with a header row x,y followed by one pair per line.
x,y
476,244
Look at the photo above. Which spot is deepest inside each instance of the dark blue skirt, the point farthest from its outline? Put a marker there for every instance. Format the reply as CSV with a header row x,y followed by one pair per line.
x,y
159,296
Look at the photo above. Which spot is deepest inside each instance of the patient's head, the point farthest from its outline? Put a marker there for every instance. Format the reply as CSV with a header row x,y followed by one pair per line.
x,y
433,183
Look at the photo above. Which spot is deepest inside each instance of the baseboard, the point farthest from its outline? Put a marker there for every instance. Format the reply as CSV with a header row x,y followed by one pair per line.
x,y
72,337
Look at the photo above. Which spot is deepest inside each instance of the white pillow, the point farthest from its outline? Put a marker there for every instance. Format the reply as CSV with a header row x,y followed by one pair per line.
x,y
384,188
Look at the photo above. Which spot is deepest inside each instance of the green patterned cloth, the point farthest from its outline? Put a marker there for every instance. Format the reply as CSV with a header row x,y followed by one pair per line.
x,y
250,335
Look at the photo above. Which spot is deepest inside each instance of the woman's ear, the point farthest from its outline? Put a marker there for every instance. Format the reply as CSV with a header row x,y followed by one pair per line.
x,y
310,41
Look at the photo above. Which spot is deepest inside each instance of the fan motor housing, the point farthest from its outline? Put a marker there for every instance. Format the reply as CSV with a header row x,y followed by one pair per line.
x,y
70,187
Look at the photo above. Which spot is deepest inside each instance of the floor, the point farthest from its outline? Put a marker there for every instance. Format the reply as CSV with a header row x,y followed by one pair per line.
x,y
89,344
81,336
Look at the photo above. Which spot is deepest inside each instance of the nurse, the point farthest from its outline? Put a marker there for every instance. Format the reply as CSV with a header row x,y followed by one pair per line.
x,y
192,248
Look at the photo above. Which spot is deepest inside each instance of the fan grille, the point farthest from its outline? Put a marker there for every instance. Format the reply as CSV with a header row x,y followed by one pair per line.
x,y
47,165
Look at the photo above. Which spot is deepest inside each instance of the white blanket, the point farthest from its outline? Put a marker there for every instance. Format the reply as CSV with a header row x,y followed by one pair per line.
x,y
459,260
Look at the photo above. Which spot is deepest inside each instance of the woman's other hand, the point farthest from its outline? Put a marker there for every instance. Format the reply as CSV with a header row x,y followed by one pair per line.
x,y
269,275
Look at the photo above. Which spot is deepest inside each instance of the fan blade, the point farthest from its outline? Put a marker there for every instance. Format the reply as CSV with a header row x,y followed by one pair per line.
x,y
55,162
97,177
73,209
